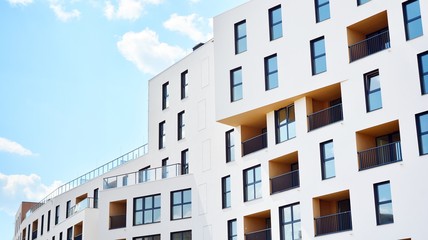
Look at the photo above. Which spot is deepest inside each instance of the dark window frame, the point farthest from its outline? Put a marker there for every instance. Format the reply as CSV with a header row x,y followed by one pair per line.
x,y
293,221
318,7
253,184
181,134
181,204
235,84
286,125
273,24
270,73
420,133
153,208
96,195
67,209
185,161
181,233
378,203
422,74
70,233
162,135
49,221
165,168
238,37
361,2
165,96
226,192
367,83
42,225
324,160
232,229
407,21
230,145
57,209
184,84
315,56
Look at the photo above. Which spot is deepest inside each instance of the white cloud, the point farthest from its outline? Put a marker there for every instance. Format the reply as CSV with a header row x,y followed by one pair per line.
x,y
20,2
61,13
9,146
30,186
191,26
127,9
146,51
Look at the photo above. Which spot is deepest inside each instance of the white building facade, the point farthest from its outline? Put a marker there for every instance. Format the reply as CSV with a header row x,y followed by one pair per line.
x,y
300,120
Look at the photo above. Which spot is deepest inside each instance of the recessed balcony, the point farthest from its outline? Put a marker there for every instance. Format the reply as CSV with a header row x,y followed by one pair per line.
x,y
284,173
254,144
378,156
117,214
257,226
254,136
325,117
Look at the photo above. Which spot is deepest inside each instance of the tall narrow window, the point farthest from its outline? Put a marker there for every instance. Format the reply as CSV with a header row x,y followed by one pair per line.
x,y
322,10
56,215
184,235
423,71
232,231
70,233
96,198
240,37
165,95
60,236
252,183
230,146
49,221
67,209
42,225
361,2
318,55
184,85
185,161
162,135
181,133
412,19
147,209
422,128
383,203
271,72
236,84
29,231
285,124
165,168
275,22
181,204
327,160
226,192
290,222
372,89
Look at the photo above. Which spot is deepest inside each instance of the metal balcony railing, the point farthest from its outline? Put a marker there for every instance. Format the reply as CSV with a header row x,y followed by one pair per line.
x,y
82,205
117,221
325,117
333,223
264,234
369,46
34,235
285,181
79,237
146,175
254,144
378,156
134,154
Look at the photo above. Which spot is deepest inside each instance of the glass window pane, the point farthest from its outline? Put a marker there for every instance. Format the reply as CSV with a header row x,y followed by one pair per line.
x,y
258,175
297,231
157,200
276,31
412,10
329,170
283,133
375,101
250,176
138,218
424,62
148,216
250,192
282,117
272,81
276,15
292,130
288,232
237,76
227,184
242,45
258,187
187,196
272,64
296,212
385,213
424,144
148,202
423,122
374,83
328,150
237,92
414,29
384,192
176,197
286,214
187,235
187,210
138,204
324,12
176,212
241,30
320,64
319,47
156,215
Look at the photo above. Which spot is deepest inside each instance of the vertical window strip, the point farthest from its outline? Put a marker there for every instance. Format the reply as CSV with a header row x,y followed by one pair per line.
x,y
422,131
230,146
226,192
240,37
275,22
412,19
184,84
318,55
423,71
384,214
271,72
236,84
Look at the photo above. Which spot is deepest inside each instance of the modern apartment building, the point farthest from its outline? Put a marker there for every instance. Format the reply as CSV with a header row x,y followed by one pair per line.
x,y
299,120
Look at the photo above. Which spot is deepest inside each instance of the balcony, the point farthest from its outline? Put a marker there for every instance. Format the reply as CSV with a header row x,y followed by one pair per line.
x,y
333,223
82,205
259,235
254,144
325,117
117,214
118,221
145,175
285,182
371,45
378,156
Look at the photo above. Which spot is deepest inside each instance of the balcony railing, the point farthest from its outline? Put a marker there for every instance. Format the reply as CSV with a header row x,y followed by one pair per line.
x,y
147,175
369,46
259,235
378,156
117,221
325,117
285,181
333,223
78,237
134,154
82,205
34,235
254,144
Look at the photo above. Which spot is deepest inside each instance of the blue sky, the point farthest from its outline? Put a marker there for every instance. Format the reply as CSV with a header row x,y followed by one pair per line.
x,y
73,84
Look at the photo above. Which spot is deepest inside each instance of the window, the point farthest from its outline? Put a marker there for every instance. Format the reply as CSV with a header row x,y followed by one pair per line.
x,y
423,71
67,209
56,215
236,84
327,160
232,232
372,89
322,10
252,183
162,135
181,133
185,235
412,19
165,168
147,209
49,221
185,161
226,192
271,72
53,237
275,22
422,128
240,37
29,231
318,56
43,225
230,146
165,95
70,233
383,203
361,2
290,222
184,85
60,236
96,198
181,204
151,237
285,124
